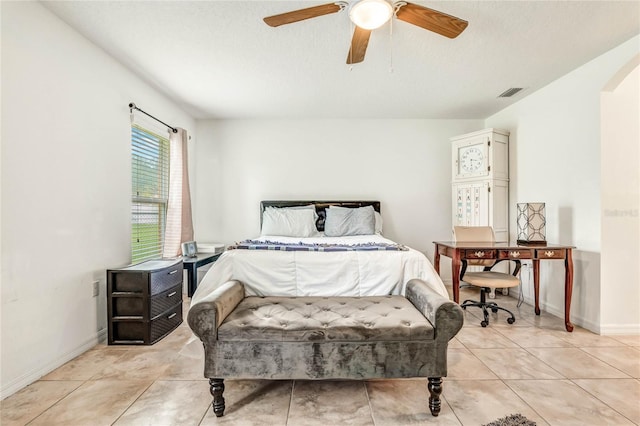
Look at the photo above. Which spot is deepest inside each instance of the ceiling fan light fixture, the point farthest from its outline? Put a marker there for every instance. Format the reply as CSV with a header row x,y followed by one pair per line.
x,y
370,14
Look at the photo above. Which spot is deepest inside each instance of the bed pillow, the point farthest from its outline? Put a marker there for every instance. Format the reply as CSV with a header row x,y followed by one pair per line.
x,y
378,224
378,219
342,221
289,222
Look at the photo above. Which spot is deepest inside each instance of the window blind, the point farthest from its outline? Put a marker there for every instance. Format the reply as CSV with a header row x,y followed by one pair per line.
x,y
150,188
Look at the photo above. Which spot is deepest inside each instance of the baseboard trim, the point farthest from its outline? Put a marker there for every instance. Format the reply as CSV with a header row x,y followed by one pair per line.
x,y
33,375
620,329
559,312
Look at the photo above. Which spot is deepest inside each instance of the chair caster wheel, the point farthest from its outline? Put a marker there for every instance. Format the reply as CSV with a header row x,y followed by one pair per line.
x,y
484,323
494,310
511,320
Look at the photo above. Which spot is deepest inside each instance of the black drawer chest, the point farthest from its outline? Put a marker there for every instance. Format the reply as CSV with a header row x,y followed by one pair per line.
x,y
144,301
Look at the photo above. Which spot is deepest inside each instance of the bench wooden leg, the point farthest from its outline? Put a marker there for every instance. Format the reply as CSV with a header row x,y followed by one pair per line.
x,y
435,389
217,389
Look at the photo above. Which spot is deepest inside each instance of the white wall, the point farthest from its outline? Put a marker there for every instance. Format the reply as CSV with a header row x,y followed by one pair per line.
x,y
65,187
406,164
621,202
555,158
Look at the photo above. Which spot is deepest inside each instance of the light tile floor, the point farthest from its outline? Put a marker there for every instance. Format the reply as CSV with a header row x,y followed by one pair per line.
x,y
533,367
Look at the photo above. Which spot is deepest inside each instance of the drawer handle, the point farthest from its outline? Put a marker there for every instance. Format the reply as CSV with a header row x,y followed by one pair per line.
x,y
479,253
173,272
549,253
172,315
514,254
173,293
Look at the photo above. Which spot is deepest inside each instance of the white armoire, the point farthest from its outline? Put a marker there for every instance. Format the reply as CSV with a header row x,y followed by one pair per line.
x,y
480,180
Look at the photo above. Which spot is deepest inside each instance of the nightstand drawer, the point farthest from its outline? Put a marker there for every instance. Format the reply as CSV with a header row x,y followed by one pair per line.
x,y
165,323
165,300
514,254
134,306
135,279
551,254
165,279
480,254
134,331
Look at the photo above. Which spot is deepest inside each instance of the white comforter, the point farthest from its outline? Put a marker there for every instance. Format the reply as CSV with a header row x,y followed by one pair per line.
x,y
310,273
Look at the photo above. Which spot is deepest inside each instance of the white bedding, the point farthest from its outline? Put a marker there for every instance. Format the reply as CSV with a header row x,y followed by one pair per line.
x,y
311,273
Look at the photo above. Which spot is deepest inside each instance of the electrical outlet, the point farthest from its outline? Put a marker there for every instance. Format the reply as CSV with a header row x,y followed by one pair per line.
x,y
96,288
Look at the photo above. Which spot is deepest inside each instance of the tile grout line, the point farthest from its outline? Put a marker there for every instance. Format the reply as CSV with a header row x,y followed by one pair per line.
x,y
366,392
204,415
525,402
133,402
286,419
572,380
57,402
596,397
603,361
519,346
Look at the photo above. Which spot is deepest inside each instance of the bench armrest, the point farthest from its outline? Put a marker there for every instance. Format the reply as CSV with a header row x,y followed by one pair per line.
x,y
445,315
206,315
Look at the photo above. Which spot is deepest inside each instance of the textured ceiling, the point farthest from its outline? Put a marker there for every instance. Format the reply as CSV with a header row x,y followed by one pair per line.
x,y
217,59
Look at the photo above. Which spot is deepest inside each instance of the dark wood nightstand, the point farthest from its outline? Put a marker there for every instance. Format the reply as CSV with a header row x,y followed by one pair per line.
x,y
191,264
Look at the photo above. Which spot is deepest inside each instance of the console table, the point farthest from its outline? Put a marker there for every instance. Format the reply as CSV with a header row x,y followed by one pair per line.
x,y
191,264
459,251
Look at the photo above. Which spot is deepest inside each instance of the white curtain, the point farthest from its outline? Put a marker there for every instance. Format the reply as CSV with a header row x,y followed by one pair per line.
x,y
179,226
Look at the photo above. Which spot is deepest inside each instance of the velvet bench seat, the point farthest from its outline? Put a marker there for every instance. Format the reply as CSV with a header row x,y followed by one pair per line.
x,y
314,338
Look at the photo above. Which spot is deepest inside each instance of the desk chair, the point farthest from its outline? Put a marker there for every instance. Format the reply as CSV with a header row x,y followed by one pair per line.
x,y
485,279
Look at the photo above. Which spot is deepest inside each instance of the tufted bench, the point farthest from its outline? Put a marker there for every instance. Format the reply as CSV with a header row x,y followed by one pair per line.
x,y
325,337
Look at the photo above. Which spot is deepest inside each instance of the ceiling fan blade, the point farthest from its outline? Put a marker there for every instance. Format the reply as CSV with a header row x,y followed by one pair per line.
x,y
432,20
302,14
359,43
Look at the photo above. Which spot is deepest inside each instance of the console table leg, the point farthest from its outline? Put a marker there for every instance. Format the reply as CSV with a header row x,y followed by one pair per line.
x,y
217,389
455,275
536,284
568,289
435,389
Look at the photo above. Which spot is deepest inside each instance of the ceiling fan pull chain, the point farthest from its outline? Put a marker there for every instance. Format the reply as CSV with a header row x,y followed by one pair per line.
x,y
391,45
397,5
351,29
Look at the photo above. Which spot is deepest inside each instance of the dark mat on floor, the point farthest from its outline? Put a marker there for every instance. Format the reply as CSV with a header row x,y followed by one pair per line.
x,y
512,420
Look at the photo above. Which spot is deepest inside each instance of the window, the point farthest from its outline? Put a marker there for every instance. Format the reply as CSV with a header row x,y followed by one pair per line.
x,y
150,188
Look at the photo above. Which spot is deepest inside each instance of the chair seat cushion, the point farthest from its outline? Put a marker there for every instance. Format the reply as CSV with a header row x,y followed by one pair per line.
x,y
491,279
296,319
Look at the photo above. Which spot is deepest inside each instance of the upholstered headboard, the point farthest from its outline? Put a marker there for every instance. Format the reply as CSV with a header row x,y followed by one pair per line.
x,y
320,207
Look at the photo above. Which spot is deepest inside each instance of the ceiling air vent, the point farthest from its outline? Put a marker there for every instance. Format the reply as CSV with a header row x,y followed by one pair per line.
x,y
510,92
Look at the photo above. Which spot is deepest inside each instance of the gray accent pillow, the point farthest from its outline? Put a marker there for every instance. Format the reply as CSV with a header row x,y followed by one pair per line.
x,y
342,221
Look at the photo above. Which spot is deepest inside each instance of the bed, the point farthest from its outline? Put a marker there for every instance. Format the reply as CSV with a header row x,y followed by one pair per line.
x,y
309,262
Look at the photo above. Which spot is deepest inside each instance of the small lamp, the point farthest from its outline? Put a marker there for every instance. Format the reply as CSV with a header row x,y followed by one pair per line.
x,y
531,222
370,14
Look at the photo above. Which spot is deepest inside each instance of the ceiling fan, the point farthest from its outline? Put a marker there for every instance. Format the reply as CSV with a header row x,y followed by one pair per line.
x,y
368,15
